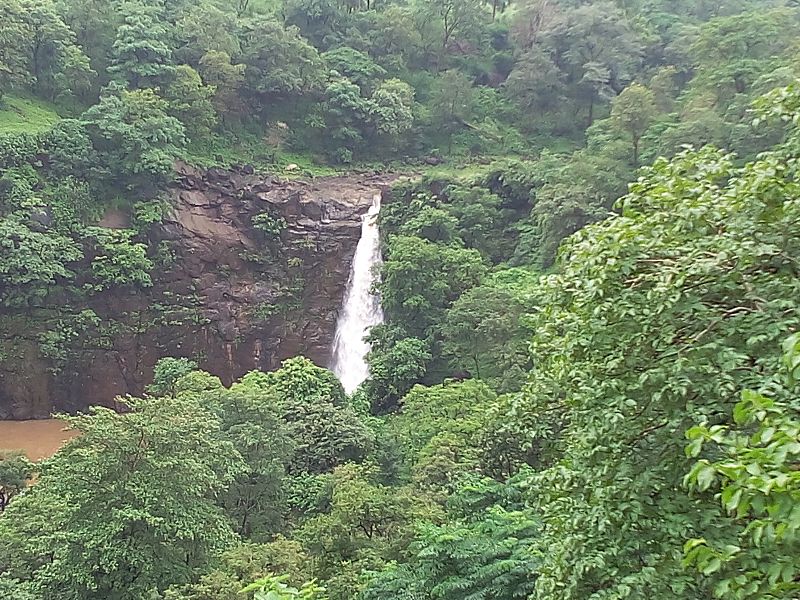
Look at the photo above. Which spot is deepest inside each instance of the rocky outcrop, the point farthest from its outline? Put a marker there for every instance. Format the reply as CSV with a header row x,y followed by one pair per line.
x,y
251,270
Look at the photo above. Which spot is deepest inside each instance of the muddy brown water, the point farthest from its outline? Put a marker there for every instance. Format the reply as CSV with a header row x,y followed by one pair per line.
x,y
38,439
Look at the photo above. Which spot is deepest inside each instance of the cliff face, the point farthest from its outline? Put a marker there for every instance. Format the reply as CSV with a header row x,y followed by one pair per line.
x,y
250,271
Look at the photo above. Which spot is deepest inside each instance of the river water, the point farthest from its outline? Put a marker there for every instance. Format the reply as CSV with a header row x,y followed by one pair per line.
x,y
38,439
361,309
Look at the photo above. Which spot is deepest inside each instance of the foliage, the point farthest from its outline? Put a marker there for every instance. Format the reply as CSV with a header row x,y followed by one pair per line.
x,y
355,66
270,225
367,523
166,374
149,212
632,111
279,62
395,364
439,429
127,506
485,549
32,261
117,260
14,35
137,138
486,558
419,280
15,472
522,433
484,334
653,322
299,380
60,343
274,588
190,101
141,53
253,423
227,80
755,470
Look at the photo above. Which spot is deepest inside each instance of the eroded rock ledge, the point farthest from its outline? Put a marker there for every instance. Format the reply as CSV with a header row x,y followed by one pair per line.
x,y
230,295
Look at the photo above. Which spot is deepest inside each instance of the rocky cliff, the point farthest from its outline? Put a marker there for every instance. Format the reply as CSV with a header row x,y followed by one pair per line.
x,y
250,270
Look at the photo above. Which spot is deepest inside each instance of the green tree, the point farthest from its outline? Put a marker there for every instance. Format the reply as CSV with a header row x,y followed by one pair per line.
x,y
15,35
299,380
57,63
420,280
488,558
731,53
15,472
127,507
432,224
347,115
118,260
226,78
366,525
274,588
598,48
325,431
135,137
481,222
95,25
395,364
355,66
166,374
483,334
452,103
142,52
392,110
280,63
244,564
657,316
13,589
70,150
569,195
633,111
755,471
190,101
453,20
31,262
439,431
316,20
486,549
205,28
252,421
535,83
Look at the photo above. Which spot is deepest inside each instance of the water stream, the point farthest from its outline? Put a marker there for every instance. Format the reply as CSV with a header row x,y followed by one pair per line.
x,y
37,439
361,309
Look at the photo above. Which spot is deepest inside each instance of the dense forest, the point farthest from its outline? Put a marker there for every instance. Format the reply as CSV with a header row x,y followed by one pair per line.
x,y
587,384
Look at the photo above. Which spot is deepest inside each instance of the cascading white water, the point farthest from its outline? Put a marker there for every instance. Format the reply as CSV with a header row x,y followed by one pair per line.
x,y
361,309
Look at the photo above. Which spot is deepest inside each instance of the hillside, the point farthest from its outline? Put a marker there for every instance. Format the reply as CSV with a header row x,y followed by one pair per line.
x,y
26,115
550,247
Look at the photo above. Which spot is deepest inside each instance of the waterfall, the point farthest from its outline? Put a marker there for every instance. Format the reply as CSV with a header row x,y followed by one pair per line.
x,y
361,308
